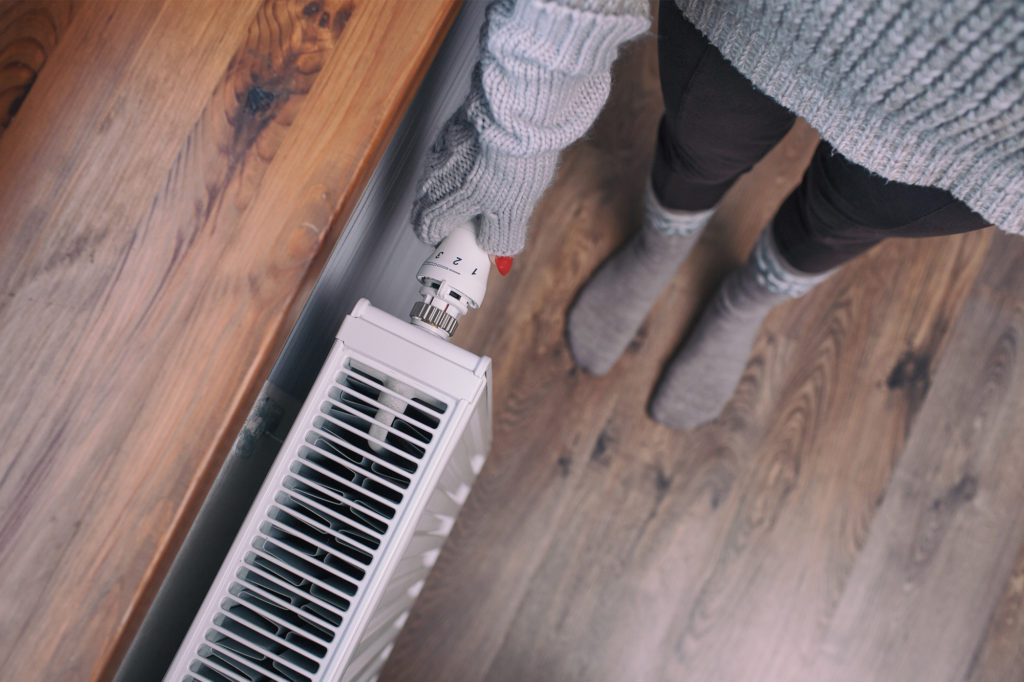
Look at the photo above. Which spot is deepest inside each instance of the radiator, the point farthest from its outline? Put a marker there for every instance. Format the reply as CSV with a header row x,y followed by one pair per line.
x,y
353,514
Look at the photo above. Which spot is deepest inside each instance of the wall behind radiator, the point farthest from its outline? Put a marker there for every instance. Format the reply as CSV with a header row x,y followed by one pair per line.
x,y
377,255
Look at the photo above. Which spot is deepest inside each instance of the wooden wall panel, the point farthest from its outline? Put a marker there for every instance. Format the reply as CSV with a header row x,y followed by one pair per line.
x,y
168,186
29,32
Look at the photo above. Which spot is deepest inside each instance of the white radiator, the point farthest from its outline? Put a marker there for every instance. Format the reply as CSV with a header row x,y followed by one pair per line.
x,y
352,516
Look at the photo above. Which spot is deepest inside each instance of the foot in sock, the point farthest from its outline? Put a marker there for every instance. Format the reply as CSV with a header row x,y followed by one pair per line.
x,y
615,301
702,376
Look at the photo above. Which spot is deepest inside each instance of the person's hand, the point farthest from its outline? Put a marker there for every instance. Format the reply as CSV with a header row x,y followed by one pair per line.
x,y
466,181
543,76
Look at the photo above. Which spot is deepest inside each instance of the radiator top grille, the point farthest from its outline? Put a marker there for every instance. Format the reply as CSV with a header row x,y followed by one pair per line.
x,y
331,517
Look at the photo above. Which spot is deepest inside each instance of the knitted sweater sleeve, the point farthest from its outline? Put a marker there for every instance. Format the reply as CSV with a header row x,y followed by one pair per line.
x,y
542,78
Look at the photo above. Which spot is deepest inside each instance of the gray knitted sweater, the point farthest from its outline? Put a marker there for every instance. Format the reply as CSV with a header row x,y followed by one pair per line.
x,y
927,92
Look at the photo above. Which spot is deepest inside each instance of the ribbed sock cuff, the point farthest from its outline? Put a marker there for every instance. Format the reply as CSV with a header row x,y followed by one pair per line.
x,y
776,275
669,222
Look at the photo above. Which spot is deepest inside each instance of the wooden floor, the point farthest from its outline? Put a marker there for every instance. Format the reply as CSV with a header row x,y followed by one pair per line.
x,y
857,512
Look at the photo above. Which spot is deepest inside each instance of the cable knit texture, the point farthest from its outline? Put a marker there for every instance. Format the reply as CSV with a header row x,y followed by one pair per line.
x,y
542,78
927,92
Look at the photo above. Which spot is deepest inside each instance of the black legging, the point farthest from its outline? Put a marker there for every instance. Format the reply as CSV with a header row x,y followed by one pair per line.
x,y
717,125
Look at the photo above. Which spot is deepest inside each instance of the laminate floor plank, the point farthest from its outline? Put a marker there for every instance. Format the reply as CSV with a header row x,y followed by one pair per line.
x,y
1001,656
944,541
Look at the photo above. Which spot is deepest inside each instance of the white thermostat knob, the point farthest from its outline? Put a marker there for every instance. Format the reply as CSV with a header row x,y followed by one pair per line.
x,y
453,280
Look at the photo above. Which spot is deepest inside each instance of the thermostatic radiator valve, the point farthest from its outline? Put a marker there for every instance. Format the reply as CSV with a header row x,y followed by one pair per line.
x,y
453,280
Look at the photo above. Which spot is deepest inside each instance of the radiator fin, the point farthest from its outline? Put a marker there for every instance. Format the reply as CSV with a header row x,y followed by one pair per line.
x,y
420,555
330,518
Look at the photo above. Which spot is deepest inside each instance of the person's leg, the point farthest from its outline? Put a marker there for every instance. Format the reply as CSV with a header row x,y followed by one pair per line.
x,y
839,211
716,123
716,126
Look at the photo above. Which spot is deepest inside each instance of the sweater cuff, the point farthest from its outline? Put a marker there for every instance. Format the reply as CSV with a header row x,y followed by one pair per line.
x,y
570,36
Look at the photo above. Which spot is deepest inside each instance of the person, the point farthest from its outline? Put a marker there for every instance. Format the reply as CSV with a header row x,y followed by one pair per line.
x,y
918,103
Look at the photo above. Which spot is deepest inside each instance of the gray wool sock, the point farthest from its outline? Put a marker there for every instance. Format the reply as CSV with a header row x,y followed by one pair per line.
x,y
702,376
615,301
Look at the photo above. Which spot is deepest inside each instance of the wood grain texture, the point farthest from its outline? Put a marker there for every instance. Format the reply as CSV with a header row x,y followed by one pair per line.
x,y
169,185
29,32
1001,656
855,507
944,541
